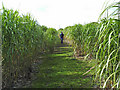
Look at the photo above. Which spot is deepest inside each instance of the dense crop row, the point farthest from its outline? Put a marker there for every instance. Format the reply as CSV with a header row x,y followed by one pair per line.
x,y
108,52
99,40
82,37
22,40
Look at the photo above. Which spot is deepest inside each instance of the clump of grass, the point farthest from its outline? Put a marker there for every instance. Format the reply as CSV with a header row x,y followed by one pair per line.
x,y
22,40
108,50
100,40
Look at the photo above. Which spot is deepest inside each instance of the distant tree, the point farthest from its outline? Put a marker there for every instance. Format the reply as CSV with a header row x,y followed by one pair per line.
x,y
61,29
44,28
51,31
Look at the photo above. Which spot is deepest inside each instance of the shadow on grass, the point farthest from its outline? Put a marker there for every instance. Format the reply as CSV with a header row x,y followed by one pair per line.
x,y
61,70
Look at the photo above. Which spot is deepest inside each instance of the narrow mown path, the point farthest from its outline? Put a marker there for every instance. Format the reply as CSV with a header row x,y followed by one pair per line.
x,y
62,70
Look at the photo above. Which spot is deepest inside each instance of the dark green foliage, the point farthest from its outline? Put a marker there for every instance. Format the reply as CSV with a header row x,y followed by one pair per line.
x,y
44,28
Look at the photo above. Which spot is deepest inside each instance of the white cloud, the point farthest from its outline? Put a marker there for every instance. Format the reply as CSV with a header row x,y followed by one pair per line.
x,y
55,13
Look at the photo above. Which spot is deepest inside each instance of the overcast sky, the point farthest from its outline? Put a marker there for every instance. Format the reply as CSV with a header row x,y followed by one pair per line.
x,y
58,13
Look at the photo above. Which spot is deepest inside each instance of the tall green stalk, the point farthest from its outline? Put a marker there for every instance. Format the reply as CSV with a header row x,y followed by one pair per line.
x,y
107,53
23,40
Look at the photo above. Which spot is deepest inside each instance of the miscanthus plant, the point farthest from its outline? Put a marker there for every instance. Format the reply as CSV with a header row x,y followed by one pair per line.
x,y
82,38
73,35
100,40
108,50
51,39
23,39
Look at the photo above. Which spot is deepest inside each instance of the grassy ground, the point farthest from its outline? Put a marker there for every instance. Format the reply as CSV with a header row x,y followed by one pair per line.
x,y
62,70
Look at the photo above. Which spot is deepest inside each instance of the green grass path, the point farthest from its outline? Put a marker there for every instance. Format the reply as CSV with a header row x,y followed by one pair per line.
x,y
62,70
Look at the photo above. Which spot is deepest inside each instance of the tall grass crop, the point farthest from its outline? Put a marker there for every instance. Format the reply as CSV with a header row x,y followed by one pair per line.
x,y
23,40
82,37
108,71
100,40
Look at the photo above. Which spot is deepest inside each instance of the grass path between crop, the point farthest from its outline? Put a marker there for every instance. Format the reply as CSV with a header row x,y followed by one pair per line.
x,y
61,70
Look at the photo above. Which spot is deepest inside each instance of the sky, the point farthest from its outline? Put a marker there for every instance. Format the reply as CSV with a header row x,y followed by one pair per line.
x,y
58,13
